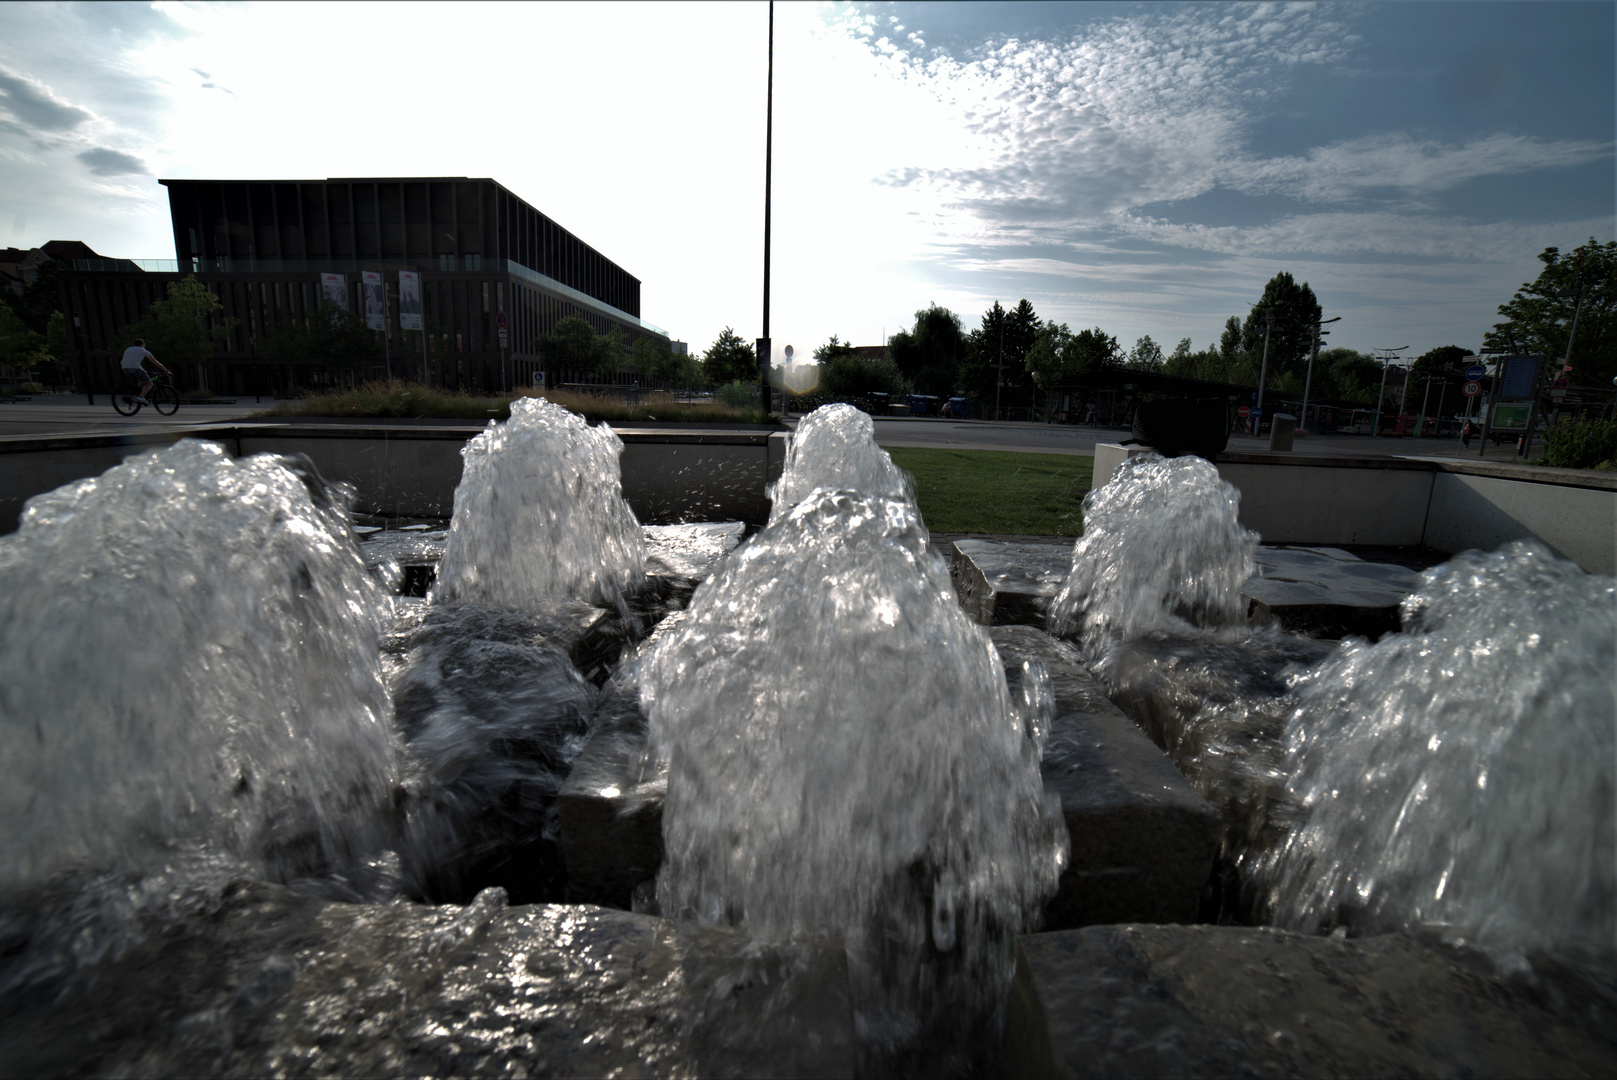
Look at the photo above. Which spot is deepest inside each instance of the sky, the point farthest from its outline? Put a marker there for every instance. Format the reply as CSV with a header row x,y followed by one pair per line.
x,y
1144,168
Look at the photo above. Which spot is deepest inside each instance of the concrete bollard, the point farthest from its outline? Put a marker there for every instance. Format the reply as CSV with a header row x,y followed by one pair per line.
x,y
1281,431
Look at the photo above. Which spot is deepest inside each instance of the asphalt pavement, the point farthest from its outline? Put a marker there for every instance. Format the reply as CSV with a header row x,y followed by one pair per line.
x,y
60,414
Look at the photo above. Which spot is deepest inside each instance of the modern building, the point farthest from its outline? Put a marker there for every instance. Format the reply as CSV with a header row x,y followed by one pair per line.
x,y
483,276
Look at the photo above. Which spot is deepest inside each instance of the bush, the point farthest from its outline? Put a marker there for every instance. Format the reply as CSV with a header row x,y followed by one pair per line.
x,y
1577,442
737,395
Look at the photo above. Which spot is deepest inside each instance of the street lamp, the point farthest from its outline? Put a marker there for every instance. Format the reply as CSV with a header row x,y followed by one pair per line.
x,y
1309,381
1386,362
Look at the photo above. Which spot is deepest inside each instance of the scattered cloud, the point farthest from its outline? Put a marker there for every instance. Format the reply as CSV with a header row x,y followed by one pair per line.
x,y
36,106
105,162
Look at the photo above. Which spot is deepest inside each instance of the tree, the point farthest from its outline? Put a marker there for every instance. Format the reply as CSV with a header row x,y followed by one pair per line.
x,y
1229,342
1538,319
1346,375
39,300
574,346
1147,354
929,356
21,349
1293,311
333,339
185,327
832,349
847,376
729,359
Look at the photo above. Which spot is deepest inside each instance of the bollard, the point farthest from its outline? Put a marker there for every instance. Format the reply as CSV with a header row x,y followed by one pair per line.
x,y
1281,431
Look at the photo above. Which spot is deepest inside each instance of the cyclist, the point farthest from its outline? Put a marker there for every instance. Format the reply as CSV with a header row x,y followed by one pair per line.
x,y
134,367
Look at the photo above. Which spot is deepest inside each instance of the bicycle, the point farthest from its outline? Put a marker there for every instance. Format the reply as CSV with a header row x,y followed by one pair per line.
x,y
164,398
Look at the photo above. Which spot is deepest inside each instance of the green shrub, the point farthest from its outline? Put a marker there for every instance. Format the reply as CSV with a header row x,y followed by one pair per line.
x,y
1578,442
737,395
401,399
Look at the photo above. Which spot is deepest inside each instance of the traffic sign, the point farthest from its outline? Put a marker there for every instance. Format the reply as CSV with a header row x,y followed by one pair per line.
x,y
1475,372
1560,383
501,321
1243,412
1472,389
1257,410
504,340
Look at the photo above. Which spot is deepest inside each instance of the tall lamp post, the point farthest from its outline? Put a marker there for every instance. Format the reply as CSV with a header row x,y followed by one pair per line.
x,y
1308,381
1386,362
769,164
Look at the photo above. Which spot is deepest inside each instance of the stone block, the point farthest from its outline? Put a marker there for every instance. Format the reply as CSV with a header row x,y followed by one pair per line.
x,y
274,983
1143,840
1323,591
1195,1001
1327,592
1003,584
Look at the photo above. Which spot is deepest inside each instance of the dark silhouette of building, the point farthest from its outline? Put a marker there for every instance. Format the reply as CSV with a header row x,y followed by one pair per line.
x,y
266,249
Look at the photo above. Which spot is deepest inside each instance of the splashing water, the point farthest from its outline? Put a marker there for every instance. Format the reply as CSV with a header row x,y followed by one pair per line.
x,y
539,515
1461,773
1162,551
189,653
835,447
844,757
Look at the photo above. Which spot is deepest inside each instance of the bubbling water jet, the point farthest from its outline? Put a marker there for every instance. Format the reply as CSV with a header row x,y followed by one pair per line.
x,y
844,757
835,447
189,654
1459,775
539,515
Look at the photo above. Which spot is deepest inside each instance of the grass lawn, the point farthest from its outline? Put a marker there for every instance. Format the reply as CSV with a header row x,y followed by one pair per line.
x,y
998,491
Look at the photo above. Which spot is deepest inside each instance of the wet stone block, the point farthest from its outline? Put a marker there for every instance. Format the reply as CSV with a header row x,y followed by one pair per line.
x,y
1003,584
271,983
1143,840
1327,592
611,808
1212,1001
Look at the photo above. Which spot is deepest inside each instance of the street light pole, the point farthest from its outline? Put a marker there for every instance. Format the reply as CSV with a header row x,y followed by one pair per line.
x,y
1386,362
1308,382
1263,373
1000,381
764,349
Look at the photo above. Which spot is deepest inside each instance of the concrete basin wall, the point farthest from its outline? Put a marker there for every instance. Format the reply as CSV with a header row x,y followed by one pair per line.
x,y
669,475
1441,503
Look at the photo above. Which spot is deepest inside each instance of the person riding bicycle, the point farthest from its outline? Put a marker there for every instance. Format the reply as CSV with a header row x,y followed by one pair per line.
x,y
135,367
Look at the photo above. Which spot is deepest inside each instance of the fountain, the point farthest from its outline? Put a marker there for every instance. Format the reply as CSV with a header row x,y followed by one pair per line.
x,y
239,767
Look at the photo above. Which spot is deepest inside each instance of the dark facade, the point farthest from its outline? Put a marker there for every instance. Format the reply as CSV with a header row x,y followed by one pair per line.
x,y
263,246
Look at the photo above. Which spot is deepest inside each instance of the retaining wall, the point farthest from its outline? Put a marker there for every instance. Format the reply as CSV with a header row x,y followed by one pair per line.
x,y
669,474
1443,503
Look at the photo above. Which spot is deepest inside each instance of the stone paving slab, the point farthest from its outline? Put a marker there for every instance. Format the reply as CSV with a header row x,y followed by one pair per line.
x,y
273,984
1216,1001
1327,592
1143,840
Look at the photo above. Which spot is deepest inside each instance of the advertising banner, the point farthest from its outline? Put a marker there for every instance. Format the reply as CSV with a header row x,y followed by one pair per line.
x,y
375,306
334,288
409,300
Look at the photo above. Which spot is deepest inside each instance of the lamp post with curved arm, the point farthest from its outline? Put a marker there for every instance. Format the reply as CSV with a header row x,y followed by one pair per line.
x,y
1308,382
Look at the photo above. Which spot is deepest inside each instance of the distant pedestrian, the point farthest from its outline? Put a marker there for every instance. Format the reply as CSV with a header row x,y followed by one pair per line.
x,y
1089,413
1465,435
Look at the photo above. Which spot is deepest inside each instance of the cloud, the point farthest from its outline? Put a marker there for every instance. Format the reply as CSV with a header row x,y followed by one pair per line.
x,y
36,106
209,84
105,162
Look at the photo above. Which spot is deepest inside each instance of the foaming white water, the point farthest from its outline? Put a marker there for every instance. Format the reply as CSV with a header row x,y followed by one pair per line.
x,y
189,652
844,757
539,515
1461,773
1162,551
835,447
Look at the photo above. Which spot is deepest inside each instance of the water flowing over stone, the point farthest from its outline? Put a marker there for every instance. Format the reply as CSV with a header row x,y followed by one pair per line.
x,y
539,514
844,756
189,653
1460,774
835,447
1162,551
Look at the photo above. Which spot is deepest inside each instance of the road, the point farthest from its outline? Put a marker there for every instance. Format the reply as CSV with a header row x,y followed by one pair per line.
x,y
59,414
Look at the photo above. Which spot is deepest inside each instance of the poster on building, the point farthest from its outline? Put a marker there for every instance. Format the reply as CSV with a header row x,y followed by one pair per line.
x,y
334,289
375,311
409,300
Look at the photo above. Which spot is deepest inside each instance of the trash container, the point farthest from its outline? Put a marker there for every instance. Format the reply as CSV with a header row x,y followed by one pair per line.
x,y
1281,430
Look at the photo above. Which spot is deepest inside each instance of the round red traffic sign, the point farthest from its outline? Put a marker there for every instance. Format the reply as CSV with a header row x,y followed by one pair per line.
x,y
501,321
1560,383
1472,389
1243,412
